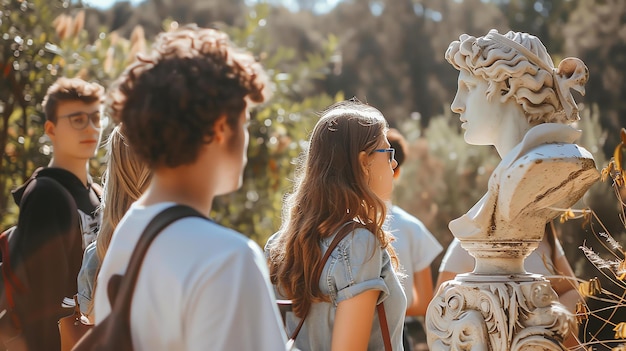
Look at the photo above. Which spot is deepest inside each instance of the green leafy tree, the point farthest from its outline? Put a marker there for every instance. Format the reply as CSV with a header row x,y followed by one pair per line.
x,y
595,33
277,130
40,41
27,66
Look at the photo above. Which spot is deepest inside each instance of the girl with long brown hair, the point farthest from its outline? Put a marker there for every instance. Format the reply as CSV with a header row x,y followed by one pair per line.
x,y
342,178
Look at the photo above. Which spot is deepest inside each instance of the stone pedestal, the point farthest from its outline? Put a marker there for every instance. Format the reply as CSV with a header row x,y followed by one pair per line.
x,y
498,306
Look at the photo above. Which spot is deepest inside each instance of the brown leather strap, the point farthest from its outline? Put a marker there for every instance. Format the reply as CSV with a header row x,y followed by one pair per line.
x,y
346,229
122,304
382,316
384,329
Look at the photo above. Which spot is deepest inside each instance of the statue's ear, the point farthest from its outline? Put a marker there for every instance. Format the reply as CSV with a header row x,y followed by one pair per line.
x,y
571,74
575,72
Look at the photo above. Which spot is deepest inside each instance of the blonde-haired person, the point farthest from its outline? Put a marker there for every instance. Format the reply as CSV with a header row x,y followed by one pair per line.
x,y
124,180
344,177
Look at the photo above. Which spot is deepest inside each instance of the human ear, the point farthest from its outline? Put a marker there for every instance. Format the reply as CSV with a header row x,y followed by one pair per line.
x,y
396,172
50,130
220,129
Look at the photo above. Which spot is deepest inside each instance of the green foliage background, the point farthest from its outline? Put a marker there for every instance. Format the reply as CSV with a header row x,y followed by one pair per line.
x,y
391,57
386,52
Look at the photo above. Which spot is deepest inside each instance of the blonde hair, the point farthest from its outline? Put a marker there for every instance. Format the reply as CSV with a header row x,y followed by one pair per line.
x,y
124,180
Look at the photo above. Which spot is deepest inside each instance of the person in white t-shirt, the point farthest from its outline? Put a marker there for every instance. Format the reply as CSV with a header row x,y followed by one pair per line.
x,y
416,248
184,111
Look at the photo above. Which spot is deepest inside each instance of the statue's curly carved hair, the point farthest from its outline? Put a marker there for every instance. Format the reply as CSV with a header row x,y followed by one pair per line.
x,y
517,65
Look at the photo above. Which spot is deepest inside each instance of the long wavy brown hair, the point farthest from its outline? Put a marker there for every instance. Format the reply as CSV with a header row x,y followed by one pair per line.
x,y
331,189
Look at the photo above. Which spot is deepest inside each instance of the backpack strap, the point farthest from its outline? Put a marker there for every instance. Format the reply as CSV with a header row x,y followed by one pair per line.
x,y
122,303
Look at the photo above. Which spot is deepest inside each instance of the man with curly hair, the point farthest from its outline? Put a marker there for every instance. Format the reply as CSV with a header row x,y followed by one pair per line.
x,y
184,110
58,212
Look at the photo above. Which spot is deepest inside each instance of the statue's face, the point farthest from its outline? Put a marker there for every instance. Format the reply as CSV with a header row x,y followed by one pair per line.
x,y
481,118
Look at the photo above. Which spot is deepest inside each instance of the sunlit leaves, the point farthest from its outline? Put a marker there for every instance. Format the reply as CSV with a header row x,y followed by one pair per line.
x,y
567,215
27,67
620,330
277,128
615,167
41,40
582,312
590,288
620,347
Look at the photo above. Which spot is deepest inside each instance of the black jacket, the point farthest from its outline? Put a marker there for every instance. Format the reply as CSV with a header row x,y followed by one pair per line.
x,y
56,211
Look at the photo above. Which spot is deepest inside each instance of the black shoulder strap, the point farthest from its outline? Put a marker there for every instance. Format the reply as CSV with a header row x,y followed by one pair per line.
x,y
156,225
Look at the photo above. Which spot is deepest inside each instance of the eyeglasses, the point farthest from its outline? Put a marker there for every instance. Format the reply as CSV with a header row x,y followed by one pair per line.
x,y
391,151
80,120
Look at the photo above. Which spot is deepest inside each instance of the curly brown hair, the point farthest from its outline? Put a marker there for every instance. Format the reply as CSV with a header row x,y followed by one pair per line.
x,y
170,99
70,89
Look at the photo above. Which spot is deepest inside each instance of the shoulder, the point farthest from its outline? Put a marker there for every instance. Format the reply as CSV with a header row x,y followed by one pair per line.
x,y
203,242
90,253
45,191
403,223
360,237
201,230
554,153
271,240
456,259
186,250
400,216
45,184
270,244
359,246
553,173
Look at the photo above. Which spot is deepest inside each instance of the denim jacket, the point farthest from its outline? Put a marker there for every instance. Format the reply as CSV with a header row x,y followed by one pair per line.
x,y
357,264
87,277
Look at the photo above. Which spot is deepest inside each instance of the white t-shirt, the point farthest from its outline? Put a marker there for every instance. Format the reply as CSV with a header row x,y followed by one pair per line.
x,y
201,287
415,246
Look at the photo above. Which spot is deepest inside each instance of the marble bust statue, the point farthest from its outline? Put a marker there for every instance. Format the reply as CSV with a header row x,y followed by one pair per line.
x,y
511,96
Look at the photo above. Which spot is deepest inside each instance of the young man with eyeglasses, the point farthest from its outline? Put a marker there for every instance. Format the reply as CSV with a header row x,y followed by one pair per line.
x,y
58,211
